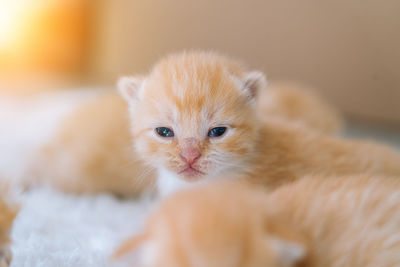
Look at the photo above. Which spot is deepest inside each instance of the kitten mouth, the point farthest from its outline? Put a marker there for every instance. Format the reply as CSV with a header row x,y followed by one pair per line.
x,y
191,173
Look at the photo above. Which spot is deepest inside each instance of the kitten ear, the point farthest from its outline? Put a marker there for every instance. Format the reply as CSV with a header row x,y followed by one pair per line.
x,y
129,87
253,82
289,253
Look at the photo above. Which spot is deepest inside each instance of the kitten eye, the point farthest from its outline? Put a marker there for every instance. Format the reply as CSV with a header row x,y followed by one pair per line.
x,y
217,131
165,132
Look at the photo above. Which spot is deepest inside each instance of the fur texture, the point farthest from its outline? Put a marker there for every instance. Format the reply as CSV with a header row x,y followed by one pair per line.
x,y
299,105
91,151
18,117
348,221
192,93
58,229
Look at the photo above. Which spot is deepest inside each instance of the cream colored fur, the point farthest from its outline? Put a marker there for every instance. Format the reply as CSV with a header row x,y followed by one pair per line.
x,y
191,93
92,152
317,221
297,104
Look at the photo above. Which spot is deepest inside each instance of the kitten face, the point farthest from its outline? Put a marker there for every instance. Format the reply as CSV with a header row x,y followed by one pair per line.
x,y
194,115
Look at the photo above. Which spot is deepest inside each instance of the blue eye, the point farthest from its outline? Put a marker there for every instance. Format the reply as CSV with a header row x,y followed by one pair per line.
x,y
217,131
164,132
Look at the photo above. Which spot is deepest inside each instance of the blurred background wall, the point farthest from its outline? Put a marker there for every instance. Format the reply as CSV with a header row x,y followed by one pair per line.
x,y
43,43
349,50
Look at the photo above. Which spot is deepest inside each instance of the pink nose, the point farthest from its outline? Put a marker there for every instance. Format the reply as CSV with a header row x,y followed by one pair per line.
x,y
190,155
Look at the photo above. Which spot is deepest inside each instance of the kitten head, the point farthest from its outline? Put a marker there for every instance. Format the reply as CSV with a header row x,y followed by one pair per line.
x,y
205,227
193,115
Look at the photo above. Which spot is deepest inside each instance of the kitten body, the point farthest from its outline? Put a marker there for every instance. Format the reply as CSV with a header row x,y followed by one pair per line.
x,y
347,221
296,104
91,152
191,94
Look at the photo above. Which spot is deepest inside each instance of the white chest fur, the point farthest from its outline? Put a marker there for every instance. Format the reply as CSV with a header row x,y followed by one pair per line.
x,y
169,182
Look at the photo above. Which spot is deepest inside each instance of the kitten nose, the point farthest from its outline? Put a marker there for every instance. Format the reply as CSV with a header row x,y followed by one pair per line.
x,y
190,155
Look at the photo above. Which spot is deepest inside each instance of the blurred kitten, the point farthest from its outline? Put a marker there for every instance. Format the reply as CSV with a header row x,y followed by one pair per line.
x,y
194,118
348,221
296,104
92,150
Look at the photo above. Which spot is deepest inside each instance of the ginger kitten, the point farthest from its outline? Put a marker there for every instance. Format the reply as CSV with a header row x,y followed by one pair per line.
x,y
296,104
92,152
347,221
194,118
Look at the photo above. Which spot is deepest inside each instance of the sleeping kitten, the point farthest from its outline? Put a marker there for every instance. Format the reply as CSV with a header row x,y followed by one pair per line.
x,y
194,118
348,221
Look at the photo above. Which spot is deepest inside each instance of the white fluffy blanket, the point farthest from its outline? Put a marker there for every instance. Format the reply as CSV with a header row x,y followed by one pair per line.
x,y
55,229
52,228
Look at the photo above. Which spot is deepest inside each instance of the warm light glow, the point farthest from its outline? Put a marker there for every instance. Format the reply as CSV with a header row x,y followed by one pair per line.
x,y
11,18
42,35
